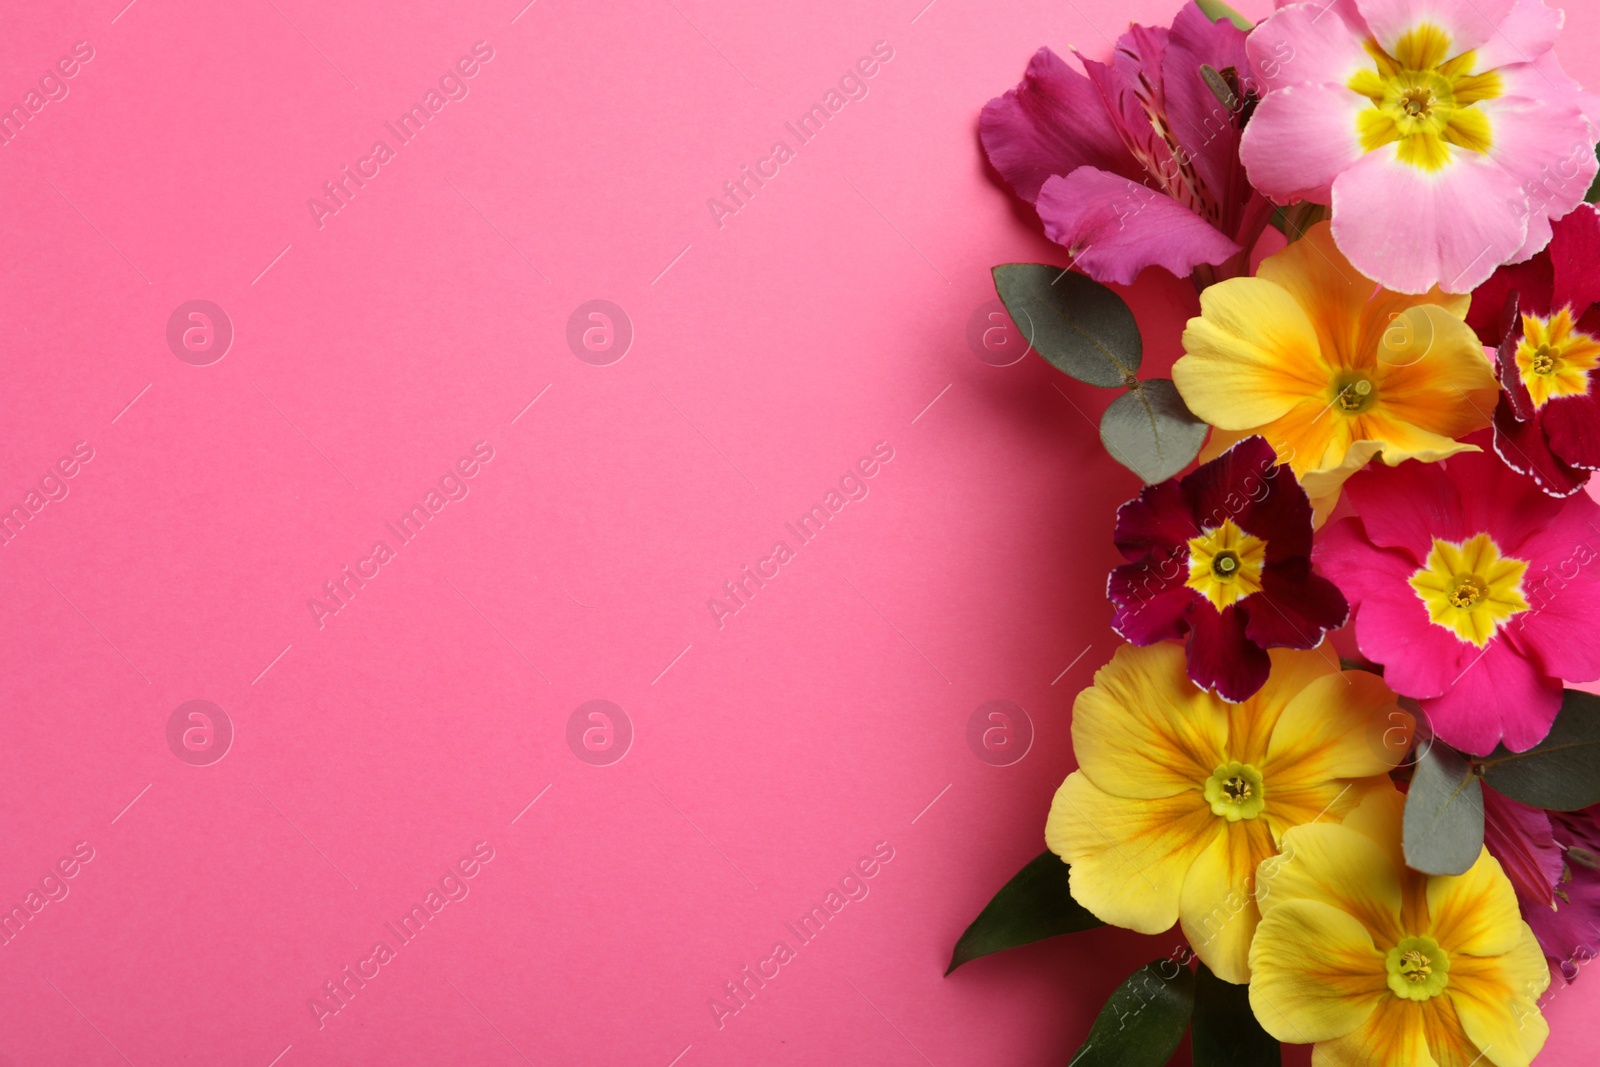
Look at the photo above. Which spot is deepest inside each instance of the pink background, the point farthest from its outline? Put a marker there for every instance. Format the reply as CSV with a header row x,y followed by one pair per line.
x,y
769,354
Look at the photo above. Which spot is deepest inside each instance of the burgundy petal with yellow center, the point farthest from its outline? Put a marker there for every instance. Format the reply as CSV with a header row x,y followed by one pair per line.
x,y
1223,558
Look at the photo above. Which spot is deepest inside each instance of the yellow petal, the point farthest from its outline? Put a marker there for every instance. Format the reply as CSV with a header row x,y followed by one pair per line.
x,y
1252,355
1252,724
1322,281
1497,1001
1129,857
1143,729
1315,974
1432,373
1475,913
1332,864
1326,479
1448,1043
1217,909
1395,1033
1336,727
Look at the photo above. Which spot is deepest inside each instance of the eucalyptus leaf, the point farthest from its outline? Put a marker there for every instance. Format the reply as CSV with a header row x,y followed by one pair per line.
x,y
1034,905
1151,431
1444,813
1084,329
1216,11
1561,772
1143,1021
1226,1033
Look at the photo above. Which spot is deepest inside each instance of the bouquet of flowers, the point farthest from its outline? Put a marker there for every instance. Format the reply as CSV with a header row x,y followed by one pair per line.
x,y
1395,414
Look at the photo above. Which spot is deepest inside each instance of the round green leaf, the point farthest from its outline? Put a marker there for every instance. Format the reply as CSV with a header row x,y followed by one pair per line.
x,y
1151,431
1031,907
1444,813
1561,772
1226,1033
1142,1023
1083,329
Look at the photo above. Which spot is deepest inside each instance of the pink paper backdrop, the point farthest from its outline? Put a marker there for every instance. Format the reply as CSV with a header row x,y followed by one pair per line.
x,y
390,348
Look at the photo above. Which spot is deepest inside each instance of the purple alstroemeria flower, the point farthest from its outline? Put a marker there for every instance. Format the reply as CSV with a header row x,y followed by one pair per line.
x,y
1137,164
1224,557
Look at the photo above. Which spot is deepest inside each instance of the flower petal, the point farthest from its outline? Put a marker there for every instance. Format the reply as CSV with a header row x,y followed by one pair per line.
x,y
1575,260
1525,448
1295,607
1395,1033
1499,696
1315,974
1520,837
1221,657
1572,426
1470,24
1340,867
1251,356
1335,729
1547,144
1217,908
1129,857
1300,139
1115,228
1475,913
1497,1001
1052,123
1529,29
1413,229
1318,42
1142,731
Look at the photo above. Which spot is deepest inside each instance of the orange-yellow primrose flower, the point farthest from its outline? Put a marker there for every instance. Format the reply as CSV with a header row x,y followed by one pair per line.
x,y
1179,795
1333,370
1379,964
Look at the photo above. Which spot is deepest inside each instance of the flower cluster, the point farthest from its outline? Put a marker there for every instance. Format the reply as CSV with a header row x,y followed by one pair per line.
x,y
1403,395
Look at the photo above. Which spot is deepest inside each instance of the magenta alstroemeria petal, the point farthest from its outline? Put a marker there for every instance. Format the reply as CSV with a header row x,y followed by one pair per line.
x,y
1115,228
1521,838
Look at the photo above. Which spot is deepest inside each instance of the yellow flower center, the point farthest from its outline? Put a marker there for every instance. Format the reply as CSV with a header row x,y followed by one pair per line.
x,y
1225,564
1470,588
1418,969
1353,392
1236,791
1555,358
1424,98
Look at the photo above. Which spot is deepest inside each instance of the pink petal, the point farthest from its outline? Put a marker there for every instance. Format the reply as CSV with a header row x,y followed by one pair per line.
x,y
1407,506
1411,230
1547,145
1300,139
1529,30
1316,42
1561,629
1115,228
1522,840
1198,120
1470,23
1498,696
1572,426
1052,123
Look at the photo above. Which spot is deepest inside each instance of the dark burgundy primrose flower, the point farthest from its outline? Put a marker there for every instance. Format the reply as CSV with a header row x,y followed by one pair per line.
x,y
1223,557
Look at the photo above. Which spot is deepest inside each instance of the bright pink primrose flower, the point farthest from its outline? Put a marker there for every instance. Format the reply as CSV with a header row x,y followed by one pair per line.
x,y
1137,164
1444,133
1224,557
1543,319
1477,592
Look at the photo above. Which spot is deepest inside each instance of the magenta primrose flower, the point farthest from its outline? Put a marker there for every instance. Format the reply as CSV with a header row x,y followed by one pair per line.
x,y
1223,557
1543,319
1478,593
1137,164
1443,133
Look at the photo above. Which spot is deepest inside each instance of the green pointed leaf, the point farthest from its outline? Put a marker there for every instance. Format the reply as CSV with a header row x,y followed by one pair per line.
x,y
1226,1033
1142,1023
1151,431
1084,329
1216,11
1562,771
1444,813
1031,907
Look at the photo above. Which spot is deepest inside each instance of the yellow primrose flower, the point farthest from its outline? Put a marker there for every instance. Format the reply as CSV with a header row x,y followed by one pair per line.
x,y
1379,964
1333,370
1179,795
